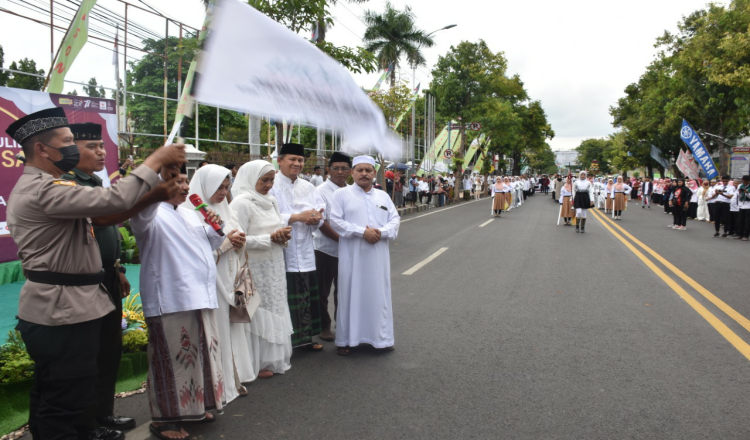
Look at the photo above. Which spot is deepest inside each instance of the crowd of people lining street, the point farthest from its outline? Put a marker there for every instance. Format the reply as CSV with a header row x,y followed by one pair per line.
x,y
723,202
237,268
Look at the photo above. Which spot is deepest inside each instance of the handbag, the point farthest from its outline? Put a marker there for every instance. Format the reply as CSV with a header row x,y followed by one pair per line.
x,y
247,299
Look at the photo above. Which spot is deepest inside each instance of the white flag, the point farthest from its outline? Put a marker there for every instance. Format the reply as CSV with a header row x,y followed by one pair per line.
x,y
255,65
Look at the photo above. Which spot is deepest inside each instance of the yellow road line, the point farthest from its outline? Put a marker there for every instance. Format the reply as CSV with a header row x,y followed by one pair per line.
x,y
724,307
715,322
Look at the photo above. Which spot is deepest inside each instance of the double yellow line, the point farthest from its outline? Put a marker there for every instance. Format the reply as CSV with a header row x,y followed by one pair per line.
x,y
738,343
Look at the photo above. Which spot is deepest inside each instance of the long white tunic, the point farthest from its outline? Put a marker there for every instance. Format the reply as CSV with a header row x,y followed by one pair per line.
x,y
178,272
271,327
365,314
294,198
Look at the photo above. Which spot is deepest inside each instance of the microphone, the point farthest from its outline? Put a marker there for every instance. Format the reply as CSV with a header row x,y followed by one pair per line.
x,y
195,199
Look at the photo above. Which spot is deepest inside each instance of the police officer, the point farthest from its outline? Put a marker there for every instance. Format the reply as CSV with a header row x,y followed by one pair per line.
x,y
63,300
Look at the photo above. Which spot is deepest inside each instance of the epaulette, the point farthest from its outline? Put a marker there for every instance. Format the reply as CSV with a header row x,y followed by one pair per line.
x,y
64,182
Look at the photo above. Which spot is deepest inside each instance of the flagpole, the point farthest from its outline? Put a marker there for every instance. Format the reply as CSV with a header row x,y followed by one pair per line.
x,y
46,80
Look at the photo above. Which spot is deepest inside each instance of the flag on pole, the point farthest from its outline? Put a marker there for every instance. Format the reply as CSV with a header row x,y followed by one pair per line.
x,y
71,45
185,103
700,153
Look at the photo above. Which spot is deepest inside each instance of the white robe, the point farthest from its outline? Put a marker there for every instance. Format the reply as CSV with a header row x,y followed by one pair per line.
x,y
365,314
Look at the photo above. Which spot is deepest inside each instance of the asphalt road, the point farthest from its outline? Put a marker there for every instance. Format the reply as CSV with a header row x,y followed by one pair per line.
x,y
523,329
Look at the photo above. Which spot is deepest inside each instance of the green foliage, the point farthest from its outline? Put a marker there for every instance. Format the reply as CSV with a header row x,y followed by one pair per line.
x,y
21,81
701,74
357,59
15,363
3,75
595,149
392,101
542,159
135,341
92,91
393,35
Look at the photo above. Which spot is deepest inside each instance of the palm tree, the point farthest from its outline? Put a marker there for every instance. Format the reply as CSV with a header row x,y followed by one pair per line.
x,y
393,34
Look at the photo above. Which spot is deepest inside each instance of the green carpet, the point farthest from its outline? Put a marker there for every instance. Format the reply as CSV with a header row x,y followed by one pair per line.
x,y
9,297
14,397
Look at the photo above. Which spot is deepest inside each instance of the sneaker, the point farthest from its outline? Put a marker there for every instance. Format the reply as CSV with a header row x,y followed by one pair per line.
x,y
716,235
744,239
643,207
649,207
670,226
683,228
676,227
724,236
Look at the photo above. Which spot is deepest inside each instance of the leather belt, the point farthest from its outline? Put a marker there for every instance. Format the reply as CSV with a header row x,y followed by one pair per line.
x,y
65,279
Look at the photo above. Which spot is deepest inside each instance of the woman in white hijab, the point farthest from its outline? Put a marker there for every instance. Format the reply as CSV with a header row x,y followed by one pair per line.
x,y
267,235
211,183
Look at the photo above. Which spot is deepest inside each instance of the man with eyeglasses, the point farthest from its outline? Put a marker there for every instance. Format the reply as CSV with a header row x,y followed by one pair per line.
x,y
326,242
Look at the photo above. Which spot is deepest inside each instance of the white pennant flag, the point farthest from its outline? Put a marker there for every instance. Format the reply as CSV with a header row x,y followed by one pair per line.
x,y
255,65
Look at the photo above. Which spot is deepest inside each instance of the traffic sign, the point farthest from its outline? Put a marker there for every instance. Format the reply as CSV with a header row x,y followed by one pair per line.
x,y
473,126
448,154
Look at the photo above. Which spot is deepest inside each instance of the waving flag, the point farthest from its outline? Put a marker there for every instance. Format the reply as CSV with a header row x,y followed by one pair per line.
x,y
700,152
75,38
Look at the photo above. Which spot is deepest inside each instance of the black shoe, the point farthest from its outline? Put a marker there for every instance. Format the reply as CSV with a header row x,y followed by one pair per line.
x,y
724,236
101,434
716,235
643,207
117,422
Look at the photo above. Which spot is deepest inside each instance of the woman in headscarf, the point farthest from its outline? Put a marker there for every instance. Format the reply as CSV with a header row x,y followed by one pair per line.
x,y
582,196
508,193
692,211
566,192
620,193
498,197
702,213
211,183
609,194
258,214
658,188
680,202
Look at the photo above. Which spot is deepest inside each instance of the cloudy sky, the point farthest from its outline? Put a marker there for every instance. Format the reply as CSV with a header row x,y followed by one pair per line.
x,y
576,56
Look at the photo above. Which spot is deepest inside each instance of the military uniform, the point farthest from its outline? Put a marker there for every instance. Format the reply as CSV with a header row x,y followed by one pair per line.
x,y
110,336
63,300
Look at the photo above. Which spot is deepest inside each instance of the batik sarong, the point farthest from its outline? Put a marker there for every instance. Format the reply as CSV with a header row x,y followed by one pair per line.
x,y
185,377
304,306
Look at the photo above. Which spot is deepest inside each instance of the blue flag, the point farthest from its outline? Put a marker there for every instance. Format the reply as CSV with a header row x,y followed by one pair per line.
x,y
700,152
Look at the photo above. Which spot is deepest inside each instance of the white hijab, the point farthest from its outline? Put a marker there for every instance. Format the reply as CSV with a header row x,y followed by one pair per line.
x,y
206,180
247,177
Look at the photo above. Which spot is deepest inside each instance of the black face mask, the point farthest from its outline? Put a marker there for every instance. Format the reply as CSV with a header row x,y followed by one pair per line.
x,y
559,179
70,157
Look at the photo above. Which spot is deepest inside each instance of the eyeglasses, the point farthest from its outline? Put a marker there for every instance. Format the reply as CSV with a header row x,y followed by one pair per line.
x,y
340,169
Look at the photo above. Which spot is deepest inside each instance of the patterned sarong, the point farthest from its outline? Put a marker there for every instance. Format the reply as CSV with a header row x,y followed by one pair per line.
x,y
304,306
185,377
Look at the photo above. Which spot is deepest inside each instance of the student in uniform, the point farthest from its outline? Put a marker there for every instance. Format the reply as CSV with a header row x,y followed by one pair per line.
x,y
567,211
620,192
582,196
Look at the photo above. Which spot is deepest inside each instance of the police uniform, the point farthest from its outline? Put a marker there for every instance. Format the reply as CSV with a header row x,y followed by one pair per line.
x,y
110,337
63,300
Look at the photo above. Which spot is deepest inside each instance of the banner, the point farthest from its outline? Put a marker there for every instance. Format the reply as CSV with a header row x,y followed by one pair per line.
x,y
700,153
17,103
78,33
382,78
739,162
656,155
254,64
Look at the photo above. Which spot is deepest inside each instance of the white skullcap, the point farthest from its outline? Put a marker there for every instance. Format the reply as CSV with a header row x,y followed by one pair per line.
x,y
363,159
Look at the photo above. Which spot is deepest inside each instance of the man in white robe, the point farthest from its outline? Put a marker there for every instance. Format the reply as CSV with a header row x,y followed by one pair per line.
x,y
365,220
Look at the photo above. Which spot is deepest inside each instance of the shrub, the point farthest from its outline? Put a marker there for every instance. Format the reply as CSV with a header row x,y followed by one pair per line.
x,y
15,363
135,341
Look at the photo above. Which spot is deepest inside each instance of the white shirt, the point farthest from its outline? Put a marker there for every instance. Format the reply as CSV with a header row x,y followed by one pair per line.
x,y
178,272
294,198
320,241
728,190
316,180
423,186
